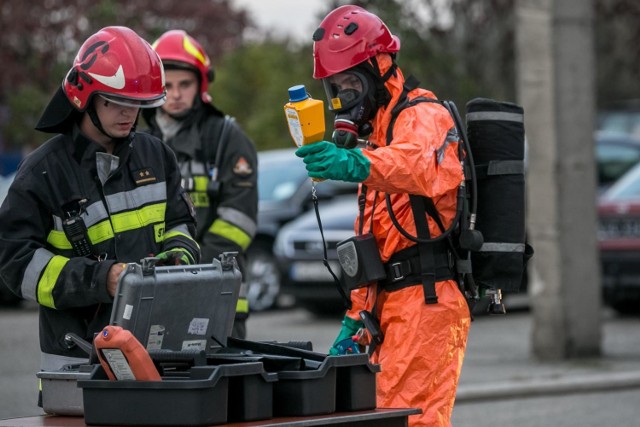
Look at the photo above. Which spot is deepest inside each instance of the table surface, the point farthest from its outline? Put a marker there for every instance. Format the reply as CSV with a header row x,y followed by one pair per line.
x,y
317,420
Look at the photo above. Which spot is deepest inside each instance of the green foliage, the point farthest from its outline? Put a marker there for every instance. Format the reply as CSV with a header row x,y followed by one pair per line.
x,y
251,85
460,49
25,106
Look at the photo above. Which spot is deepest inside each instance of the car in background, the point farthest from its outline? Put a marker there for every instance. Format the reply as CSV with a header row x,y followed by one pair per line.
x,y
285,193
621,116
619,243
615,154
299,249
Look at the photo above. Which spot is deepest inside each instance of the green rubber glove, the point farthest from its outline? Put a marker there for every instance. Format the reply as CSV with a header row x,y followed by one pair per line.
x,y
175,256
328,161
349,329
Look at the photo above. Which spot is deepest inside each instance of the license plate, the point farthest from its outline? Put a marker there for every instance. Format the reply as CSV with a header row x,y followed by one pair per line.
x,y
314,271
619,228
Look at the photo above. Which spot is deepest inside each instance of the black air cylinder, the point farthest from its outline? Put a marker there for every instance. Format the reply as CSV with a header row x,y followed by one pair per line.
x,y
496,136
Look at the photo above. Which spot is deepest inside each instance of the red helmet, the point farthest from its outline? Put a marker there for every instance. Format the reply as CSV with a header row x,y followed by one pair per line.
x,y
178,49
114,63
348,36
117,63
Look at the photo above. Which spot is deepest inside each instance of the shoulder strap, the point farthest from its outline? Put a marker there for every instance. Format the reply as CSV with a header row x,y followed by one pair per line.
x,y
222,143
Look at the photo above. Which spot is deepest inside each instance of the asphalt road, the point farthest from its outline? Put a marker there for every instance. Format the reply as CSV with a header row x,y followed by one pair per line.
x,y
19,361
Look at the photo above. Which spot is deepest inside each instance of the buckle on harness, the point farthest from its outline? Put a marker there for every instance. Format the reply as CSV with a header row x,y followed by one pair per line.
x,y
396,271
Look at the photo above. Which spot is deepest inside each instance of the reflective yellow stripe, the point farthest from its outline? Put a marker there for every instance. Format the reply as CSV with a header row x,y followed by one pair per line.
x,y
139,218
230,232
177,233
100,232
48,280
58,240
242,306
200,183
103,231
200,200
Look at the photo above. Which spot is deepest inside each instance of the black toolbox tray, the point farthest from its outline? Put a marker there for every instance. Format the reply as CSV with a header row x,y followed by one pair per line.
x,y
322,384
197,397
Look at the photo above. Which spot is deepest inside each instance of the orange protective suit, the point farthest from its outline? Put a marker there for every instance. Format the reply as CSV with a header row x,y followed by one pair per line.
x,y
424,344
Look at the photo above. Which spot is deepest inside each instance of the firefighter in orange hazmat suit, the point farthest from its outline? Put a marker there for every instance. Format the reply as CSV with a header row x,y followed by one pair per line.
x,y
424,340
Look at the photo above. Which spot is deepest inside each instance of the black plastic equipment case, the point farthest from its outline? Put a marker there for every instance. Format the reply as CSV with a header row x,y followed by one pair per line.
x,y
177,308
197,397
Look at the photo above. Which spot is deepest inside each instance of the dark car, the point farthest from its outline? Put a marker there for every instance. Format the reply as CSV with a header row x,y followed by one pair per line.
x,y
300,251
619,243
284,194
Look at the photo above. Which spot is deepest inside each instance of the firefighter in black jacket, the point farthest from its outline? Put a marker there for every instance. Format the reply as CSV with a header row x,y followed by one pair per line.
x,y
94,197
218,165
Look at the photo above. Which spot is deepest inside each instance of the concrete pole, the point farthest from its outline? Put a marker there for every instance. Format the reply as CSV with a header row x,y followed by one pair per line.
x,y
555,60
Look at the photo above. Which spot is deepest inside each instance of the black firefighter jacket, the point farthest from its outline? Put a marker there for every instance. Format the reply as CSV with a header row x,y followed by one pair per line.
x,y
132,209
227,217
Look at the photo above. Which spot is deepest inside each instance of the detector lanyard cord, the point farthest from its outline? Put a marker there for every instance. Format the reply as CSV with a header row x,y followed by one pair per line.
x,y
325,261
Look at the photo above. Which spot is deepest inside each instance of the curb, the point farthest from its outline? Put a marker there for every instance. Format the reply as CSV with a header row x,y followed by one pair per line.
x,y
547,387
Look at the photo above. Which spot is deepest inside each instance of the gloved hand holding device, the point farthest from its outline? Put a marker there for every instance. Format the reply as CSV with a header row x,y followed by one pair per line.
x,y
175,256
326,160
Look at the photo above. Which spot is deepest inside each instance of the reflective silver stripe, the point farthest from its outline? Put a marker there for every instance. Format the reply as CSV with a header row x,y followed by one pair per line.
x,y
128,200
29,285
123,201
502,247
183,229
95,213
495,115
57,223
193,168
54,362
239,219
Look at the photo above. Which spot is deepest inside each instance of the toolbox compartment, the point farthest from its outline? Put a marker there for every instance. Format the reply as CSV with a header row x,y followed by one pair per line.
x,y
197,397
250,396
355,383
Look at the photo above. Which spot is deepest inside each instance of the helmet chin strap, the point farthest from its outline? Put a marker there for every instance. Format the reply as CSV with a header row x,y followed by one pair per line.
x,y
96,122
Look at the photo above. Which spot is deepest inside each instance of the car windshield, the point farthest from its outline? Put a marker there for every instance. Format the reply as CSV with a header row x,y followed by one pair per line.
x,y
280,177
620,121
627,187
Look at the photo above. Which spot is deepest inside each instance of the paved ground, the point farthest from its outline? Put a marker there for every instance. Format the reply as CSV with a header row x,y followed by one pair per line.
x,y
501,383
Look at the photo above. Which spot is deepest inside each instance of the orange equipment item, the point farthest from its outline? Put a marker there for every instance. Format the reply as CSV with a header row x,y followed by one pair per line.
x,y
123,357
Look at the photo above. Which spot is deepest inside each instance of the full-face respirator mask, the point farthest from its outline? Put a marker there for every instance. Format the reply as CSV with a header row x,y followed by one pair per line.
x,y
351,96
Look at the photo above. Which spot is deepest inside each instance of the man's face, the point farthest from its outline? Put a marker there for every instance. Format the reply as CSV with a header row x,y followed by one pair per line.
x,y
117,120
182,88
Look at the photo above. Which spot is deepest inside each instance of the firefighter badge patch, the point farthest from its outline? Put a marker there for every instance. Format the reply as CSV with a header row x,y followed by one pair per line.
x,y
144,176
242,167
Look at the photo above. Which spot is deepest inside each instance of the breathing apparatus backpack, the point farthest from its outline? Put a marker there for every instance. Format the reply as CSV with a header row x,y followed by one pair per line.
x,y
487,237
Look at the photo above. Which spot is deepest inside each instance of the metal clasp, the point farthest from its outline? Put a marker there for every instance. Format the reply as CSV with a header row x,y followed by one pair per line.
x,y
396,270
